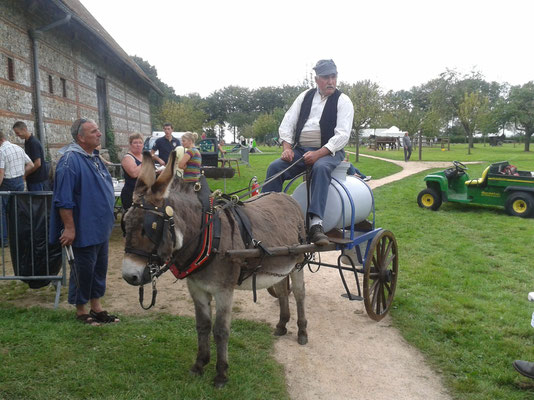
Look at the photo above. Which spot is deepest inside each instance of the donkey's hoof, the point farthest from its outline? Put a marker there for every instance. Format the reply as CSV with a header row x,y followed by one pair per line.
x,y
302,339
196,370
219,382
280,331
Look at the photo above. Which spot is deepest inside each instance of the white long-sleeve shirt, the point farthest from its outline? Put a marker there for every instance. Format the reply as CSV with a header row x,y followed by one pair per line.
x,y
345,116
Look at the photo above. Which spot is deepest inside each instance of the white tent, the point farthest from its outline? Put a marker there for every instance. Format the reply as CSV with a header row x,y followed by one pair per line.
x,y
393,131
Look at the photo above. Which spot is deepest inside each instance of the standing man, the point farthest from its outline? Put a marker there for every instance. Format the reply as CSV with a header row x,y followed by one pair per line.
x,y
407,145
165,145
316,128
37,176
14,164
82,216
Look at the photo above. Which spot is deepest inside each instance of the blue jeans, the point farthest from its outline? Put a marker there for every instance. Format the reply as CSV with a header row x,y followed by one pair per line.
x,y
88,277
36,187
321,175
353,170
9,185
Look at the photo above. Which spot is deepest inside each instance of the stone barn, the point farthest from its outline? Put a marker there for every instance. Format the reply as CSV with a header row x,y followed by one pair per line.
x,y
57,64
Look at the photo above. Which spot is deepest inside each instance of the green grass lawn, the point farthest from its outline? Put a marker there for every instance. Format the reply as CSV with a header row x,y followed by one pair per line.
x,y
45,354
259,163
507,152
465,272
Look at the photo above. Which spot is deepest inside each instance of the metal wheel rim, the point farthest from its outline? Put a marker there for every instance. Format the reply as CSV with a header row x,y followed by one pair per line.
x,y
428,200
519,206
380,275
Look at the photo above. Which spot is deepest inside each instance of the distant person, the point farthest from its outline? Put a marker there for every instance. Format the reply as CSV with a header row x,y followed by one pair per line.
x,y
82,217
164,145
191,160
221,148
407,145
14,164
37,176
353,171
131,165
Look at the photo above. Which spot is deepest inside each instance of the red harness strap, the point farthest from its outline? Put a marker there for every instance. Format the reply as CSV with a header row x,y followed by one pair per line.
x,y
204,252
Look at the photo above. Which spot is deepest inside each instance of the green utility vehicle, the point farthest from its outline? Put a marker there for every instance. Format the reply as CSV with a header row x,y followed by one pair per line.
x,y
500,185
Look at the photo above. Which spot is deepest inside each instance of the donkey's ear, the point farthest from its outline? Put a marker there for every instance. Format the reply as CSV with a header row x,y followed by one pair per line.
x,y
147,176
165,178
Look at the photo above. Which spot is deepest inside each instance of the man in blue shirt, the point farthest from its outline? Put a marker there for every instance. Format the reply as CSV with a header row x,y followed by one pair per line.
x,y
82,216
165,145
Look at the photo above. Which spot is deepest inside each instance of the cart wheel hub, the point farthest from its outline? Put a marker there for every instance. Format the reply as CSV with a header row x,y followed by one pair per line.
x,y
519,206
428,200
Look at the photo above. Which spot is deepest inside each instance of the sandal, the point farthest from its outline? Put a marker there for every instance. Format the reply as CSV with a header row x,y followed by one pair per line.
x,y
103,317
87,319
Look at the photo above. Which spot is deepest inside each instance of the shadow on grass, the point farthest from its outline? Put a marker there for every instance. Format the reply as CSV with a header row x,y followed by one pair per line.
x,y
48,355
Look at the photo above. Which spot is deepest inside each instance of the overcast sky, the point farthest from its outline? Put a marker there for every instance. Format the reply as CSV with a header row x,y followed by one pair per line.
x,y
204,45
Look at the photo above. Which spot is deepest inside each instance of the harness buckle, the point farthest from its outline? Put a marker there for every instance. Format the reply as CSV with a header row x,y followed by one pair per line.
x,y
197,186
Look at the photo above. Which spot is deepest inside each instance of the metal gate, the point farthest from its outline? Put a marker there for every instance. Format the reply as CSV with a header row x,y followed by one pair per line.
x,y
25,252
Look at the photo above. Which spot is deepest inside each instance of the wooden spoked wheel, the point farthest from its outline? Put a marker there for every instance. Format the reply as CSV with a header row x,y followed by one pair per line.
x,y
381,268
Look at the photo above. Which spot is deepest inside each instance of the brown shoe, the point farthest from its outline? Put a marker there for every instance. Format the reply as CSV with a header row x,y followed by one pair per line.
x,y
317,235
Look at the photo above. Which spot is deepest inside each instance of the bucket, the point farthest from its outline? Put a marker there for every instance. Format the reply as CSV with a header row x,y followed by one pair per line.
x,y
338,199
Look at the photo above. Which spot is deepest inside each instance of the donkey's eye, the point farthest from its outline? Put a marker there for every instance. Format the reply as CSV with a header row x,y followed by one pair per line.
x,y
143,232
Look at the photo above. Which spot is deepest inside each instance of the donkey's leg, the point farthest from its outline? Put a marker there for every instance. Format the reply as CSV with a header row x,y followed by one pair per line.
x,y
221,333
281,289
202,301
297,279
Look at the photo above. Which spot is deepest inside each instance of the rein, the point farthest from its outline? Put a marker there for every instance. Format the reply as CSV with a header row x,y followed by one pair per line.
x,y
272,178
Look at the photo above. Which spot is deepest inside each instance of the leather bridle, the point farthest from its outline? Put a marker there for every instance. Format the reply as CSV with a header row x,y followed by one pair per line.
x,y
156,221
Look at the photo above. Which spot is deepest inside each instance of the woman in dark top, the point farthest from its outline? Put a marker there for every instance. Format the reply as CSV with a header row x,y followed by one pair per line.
x,y
131,165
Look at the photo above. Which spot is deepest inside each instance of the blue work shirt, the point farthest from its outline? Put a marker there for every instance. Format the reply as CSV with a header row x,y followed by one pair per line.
x,y
83,184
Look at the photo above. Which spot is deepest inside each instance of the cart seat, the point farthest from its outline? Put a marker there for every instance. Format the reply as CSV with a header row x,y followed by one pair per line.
x,y
480,181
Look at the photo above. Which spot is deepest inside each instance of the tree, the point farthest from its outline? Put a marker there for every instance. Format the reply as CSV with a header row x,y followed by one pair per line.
x,y
267,124
183,116
472,112
521,106
367,100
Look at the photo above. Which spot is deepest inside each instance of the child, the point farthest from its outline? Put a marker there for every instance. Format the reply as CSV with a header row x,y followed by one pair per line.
x,y
191,161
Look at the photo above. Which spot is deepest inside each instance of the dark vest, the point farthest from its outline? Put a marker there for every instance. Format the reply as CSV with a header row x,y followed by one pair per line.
x,y
328,119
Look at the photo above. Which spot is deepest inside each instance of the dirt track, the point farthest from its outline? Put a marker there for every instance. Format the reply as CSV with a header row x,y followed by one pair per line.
x,y
349,356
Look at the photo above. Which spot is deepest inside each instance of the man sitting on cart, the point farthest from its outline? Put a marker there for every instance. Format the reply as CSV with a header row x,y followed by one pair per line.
x,y
316,128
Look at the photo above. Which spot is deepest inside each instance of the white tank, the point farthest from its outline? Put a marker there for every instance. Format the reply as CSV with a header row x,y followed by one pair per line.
x,y
333,217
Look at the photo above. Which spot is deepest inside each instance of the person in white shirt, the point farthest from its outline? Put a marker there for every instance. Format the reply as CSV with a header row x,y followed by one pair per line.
x,y
14,164
317,128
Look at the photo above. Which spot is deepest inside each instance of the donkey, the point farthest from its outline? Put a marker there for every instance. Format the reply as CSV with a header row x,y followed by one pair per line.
x,y
276,220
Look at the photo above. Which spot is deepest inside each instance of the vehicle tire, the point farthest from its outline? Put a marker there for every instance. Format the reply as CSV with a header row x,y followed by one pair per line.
x,y
520,204
428,198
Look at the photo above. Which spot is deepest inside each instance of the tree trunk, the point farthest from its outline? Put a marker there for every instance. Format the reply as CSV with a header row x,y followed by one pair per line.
x,y
470,143
357,145
420,145
527,140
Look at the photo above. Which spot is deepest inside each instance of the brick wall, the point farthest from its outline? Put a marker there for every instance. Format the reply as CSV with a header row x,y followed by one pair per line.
x,y
69,63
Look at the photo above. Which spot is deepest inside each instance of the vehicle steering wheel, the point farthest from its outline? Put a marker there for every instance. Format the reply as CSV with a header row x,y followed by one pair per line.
x,y
459,166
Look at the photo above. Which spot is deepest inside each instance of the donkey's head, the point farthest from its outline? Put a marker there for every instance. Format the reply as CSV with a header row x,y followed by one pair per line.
x,y
151,234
